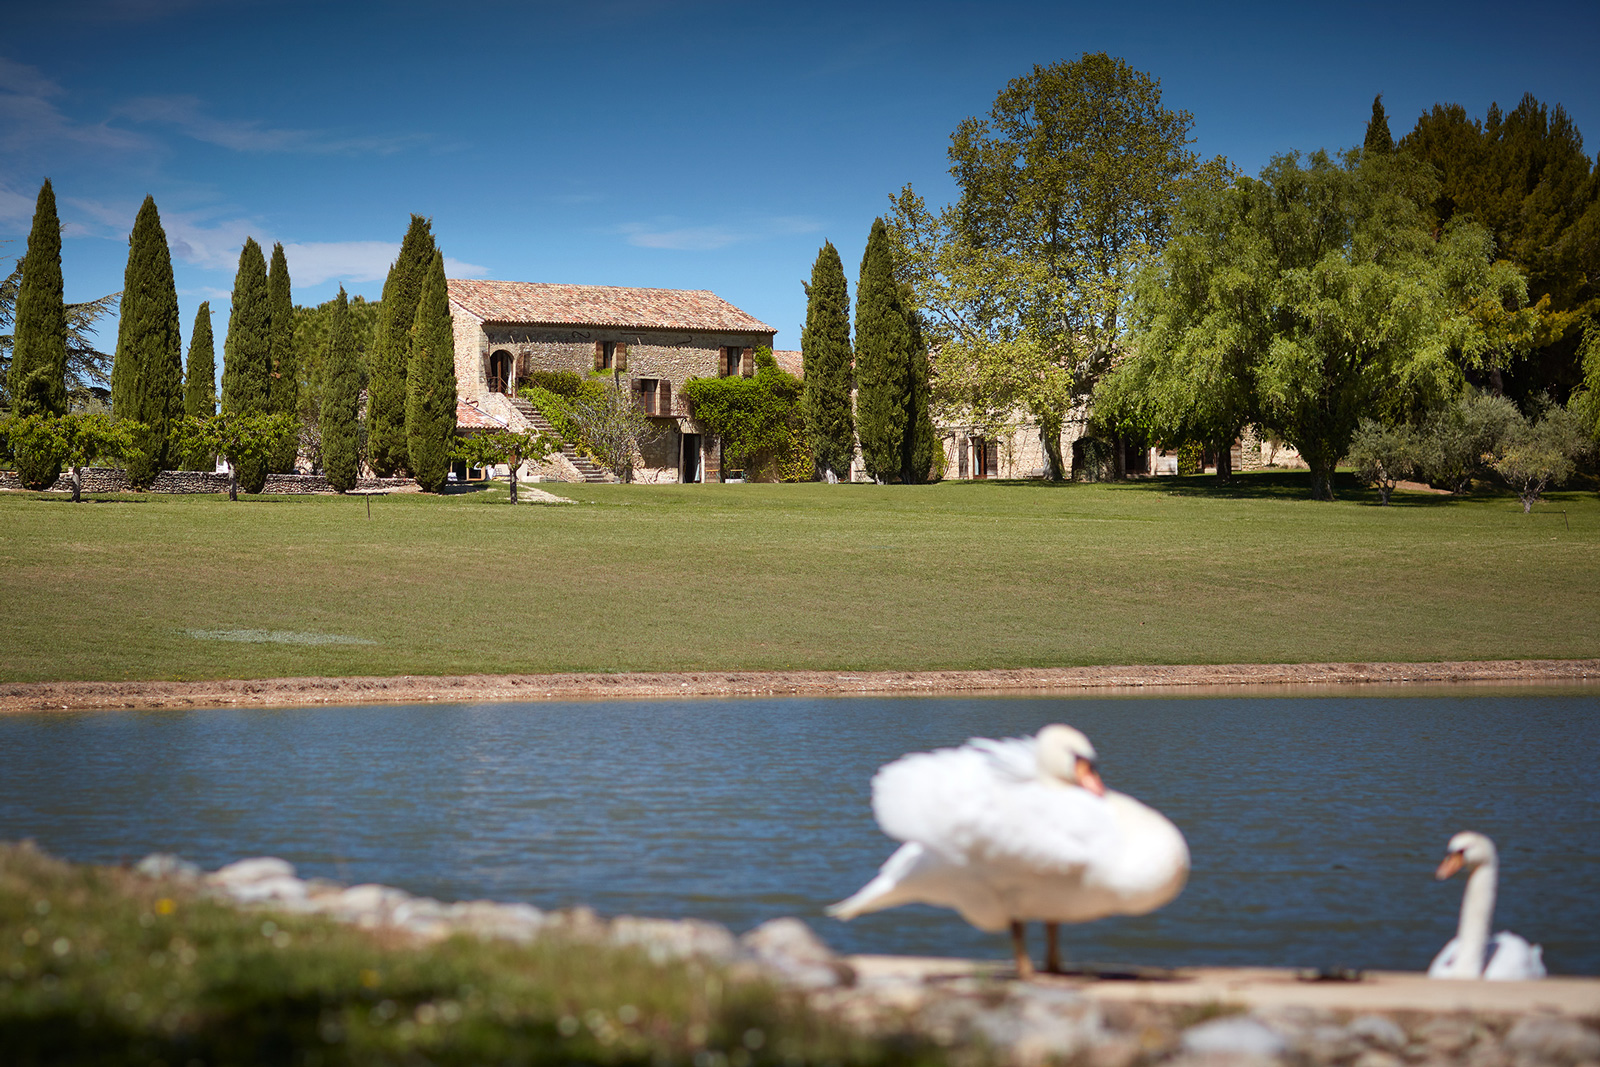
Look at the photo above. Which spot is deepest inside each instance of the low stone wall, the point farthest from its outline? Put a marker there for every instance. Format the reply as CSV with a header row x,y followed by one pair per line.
x,y
113,480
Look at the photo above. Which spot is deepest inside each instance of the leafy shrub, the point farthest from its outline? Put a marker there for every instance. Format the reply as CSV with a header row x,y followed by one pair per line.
x,y
1093,460
556,409
1191,458
758,418
564,383
1457,440
1383,455
1540,452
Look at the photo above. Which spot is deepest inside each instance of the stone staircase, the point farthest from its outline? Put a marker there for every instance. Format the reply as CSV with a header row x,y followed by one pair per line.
x,y
591,471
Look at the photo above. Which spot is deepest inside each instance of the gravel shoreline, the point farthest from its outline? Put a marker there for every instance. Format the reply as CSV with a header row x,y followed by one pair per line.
x,y
1250,678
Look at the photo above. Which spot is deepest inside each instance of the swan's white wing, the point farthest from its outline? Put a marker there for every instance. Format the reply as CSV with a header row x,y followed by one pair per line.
x,y
1513,959
984,803
1444,964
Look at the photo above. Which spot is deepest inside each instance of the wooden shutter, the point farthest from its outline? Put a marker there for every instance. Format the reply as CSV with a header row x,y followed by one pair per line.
x,y
747,363
599,355
622,355
991,458
722,362
634,386
664,397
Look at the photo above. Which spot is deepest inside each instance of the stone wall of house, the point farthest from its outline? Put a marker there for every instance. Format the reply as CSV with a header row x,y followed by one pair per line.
x,y
1020,453
471,357
113,480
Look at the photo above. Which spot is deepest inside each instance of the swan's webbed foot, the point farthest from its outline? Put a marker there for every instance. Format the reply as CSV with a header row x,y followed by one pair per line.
x,y
1019,947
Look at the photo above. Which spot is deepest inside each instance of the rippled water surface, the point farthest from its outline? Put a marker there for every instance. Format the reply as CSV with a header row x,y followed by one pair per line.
x,y
1315,822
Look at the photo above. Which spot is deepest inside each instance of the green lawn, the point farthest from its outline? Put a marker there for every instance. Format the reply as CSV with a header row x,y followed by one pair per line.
x,y
957,575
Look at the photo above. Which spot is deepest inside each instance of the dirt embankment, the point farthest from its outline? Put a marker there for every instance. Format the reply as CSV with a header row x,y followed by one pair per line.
x,y
1257,679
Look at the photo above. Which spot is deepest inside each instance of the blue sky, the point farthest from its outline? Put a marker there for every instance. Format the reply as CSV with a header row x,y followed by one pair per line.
x,y
697,145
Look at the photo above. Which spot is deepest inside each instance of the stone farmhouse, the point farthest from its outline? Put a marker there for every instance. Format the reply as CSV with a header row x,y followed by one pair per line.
x,y
654,340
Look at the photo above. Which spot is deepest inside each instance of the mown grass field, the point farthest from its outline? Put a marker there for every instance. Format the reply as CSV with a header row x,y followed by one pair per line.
x,y
721,577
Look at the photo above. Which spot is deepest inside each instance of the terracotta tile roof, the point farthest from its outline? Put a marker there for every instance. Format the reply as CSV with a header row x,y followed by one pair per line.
x,y
469,417
790,360
543,303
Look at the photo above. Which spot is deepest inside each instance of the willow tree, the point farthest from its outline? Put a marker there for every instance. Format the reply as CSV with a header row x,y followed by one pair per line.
x,y
147,372
431,383
200,383
1067,190
1309,299
825,347
283,395
246,370
37,377
387,448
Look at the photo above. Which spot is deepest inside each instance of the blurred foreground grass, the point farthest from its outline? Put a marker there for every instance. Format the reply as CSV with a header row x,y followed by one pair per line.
x,y
104,966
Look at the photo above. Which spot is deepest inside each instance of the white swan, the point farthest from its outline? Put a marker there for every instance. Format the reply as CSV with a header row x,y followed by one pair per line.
x,y
1512,958
1016,830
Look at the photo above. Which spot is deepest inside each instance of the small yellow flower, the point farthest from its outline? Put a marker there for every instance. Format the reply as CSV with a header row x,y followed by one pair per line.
x,y
369,978
166,906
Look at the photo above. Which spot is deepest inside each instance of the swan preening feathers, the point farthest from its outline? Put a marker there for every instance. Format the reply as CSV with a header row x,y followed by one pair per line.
x,y
1472,953
1005,832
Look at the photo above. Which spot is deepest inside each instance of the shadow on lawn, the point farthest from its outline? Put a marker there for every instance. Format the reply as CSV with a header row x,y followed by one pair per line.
x,y
1259,485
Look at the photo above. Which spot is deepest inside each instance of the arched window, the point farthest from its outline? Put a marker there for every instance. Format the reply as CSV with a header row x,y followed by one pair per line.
x,y
500,372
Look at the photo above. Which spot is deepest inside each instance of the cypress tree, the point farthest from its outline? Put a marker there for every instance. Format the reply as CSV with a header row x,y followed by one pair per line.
x,y
921,440
284,392
37,379
387,448
883,361
147,370
825,347
200,383
341,390
246,383
431,383
1378,138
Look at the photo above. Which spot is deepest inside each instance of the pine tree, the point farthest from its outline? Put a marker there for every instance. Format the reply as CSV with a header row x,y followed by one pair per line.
x,y
37,380
387,448
883,361
246,381
341,391
431,383
1378,139
147,371
284,391
825,347
200,384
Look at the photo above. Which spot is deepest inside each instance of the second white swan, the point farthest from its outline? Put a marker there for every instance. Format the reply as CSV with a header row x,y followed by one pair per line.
x,y
1472,953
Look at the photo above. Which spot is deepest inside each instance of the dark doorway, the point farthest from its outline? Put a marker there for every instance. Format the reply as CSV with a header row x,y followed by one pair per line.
x,y
500,373
689,469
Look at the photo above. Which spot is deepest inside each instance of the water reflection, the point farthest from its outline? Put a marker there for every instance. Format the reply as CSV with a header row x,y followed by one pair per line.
x,y
1314,822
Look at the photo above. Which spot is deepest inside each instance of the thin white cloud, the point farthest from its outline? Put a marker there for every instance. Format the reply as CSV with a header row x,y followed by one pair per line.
x,y
30,122
189,117
712,238
312,263
14,207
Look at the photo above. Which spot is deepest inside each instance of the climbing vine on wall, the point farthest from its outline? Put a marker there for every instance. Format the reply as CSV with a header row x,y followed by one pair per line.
x,y
758,419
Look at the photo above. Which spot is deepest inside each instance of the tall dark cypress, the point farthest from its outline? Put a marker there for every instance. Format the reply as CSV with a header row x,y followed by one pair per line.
x,y
37,380
387,449
921,440
341,392
147,370
431,383
825,347
200,383
284,392
883,361
1378,139
246,374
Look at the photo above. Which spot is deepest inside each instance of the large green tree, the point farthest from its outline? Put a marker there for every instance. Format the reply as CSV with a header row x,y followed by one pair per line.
x,y
88,368
246,366
1378,138
431,383
1524,175
341,389
284,388
1067,189
387,447
1309,299
825,347
37,377
147,373
200,381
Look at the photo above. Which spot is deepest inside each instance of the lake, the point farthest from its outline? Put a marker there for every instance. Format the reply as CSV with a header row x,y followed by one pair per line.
x,y
1315,822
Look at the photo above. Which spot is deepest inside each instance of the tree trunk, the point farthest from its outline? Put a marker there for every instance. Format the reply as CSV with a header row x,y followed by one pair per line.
x,y
514,465
233,481
1225,461
77,485
1050,437
1321,479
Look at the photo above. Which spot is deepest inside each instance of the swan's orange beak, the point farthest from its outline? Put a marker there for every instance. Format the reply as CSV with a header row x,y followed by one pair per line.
x,y
1089,778
1450,865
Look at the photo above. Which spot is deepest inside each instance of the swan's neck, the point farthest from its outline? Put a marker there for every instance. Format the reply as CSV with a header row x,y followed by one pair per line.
x,y
1477,910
